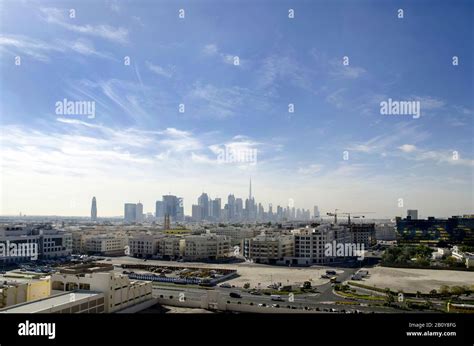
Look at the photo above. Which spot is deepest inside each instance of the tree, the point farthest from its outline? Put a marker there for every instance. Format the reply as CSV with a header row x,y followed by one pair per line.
x,y
389,298
444,290
247,285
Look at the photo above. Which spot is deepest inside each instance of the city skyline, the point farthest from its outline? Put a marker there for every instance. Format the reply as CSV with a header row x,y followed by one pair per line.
x,y
193,104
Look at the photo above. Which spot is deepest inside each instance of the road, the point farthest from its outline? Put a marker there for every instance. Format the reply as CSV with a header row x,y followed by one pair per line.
x,y
300,302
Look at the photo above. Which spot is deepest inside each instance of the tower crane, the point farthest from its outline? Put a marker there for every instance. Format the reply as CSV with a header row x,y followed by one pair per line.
x,y
349,215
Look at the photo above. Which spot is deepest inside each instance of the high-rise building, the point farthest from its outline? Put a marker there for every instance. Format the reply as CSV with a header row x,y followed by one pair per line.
x,y
139,212
130,212
231,207
316,214
94,210
413,214
197,212
203,202
239,208
159,209
216,209
173,206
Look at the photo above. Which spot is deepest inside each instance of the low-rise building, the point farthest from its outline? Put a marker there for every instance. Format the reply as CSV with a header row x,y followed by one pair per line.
x,y
271,249
144,246
78,302
19,290
236,234
206,247
20,243
171,247
118,290
106,245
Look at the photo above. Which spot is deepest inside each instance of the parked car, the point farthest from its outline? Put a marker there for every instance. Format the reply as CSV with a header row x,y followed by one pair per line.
x,y
235,295
225,286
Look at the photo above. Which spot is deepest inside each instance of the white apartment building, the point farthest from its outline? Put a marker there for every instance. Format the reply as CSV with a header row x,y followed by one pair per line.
x,y
236,234
55,243
206,246
144,245
310,245
271,249
106,245
171,247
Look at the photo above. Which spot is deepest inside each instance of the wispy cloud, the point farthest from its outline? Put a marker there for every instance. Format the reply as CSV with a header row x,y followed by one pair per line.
x,y
37,49
158,70
212,50
61,18
339,70
41,50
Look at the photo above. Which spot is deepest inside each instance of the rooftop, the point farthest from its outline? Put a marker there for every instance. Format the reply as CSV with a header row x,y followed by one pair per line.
x,y
50,302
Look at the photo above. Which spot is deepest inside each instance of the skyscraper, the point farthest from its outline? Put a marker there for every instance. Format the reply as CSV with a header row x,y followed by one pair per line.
x,y
196,212
316,214
216,209
159,209
239,208
203,202
173,206
94,209
130,212
139,217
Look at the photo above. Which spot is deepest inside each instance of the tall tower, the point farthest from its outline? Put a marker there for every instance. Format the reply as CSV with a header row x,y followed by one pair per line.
x,y
250,189
94,210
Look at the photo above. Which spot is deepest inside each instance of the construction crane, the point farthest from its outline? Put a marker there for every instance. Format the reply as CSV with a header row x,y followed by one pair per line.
x,y
349,215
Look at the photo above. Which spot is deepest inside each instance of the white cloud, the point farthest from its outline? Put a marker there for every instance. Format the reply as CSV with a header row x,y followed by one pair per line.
x,y
158,70
339,70
37,49
310,169
61,17
210,49
407,148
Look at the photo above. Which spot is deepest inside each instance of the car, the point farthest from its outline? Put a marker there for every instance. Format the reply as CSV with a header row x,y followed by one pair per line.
x,y
275,306
262,305
256,293
225,286
234,295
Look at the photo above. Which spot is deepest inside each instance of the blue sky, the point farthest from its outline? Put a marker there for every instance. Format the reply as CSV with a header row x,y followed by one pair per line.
x,y
139,146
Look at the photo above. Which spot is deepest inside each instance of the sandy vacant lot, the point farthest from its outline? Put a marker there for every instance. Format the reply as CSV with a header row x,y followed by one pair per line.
x,y
265,275
412,280
253,273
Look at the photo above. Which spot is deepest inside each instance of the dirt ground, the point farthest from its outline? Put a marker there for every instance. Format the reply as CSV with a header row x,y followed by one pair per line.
x,y
253,273
412,280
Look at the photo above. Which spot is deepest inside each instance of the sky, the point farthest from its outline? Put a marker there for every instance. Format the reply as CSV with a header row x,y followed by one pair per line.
x,y
171,93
